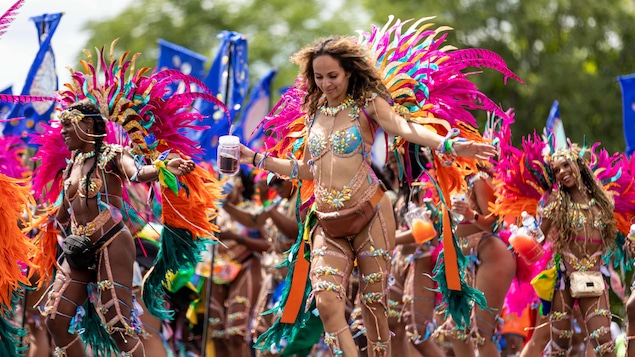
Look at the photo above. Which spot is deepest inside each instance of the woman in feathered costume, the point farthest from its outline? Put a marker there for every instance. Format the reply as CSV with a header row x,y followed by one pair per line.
x,y
348,90
83,175
580,215
99,252
585,201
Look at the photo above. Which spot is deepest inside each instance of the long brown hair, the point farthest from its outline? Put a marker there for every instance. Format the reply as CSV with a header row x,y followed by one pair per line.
x,y
562,201
364,80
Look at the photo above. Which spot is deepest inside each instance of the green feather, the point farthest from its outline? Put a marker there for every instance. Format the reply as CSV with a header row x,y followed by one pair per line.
x,y
11,335
617,255
179,251
169,180
94,333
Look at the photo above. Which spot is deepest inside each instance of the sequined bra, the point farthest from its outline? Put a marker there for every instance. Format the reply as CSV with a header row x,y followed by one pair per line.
x,y
109,151
344,143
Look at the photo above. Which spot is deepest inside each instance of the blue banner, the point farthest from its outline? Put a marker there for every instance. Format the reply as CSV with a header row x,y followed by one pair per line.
x,y
257,108
5,106
555,128
41,81
172,56
228,79
628,111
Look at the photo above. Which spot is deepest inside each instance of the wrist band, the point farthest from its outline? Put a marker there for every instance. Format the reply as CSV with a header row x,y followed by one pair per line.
x,y
295,169
261,163
253,161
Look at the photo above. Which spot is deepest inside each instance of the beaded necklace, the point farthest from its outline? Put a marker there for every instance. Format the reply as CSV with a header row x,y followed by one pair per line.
x,y
81,157
332,111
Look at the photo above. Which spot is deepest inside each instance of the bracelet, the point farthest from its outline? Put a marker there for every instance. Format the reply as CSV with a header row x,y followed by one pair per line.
x,y
261,163
139,163
445,147
135,177
295,171
253,161
445,151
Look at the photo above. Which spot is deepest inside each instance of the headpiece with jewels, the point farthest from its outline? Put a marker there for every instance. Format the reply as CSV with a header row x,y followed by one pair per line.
x,y
141,117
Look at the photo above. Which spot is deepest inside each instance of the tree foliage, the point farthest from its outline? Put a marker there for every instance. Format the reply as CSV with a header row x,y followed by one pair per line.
x,y
565,50
275,29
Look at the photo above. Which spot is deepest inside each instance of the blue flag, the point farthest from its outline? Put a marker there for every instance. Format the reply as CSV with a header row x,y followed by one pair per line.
x,y
257,108
555,128
173,56
228,79
628,111
5,106
41,81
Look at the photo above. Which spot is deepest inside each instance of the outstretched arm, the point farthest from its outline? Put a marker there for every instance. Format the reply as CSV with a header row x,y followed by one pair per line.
x,y
146,173
394,124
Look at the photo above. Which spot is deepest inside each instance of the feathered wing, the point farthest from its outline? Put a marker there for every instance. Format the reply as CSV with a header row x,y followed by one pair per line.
x,y
285,126
521,176
12,149
285,129
17,249
615,173
426,80
52,155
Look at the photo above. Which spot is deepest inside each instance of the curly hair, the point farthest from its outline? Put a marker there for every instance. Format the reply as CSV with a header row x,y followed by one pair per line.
x,y
562,201
363,82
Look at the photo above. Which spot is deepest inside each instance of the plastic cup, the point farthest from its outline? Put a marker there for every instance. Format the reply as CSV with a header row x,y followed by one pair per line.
x,y
527,247
228,154
422,230
420,226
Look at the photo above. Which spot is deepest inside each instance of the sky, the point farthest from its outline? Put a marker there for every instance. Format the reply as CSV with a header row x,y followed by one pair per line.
x,y
19,44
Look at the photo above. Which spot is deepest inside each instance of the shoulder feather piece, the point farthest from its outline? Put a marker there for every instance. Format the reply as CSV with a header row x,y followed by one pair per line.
x,y
135,101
